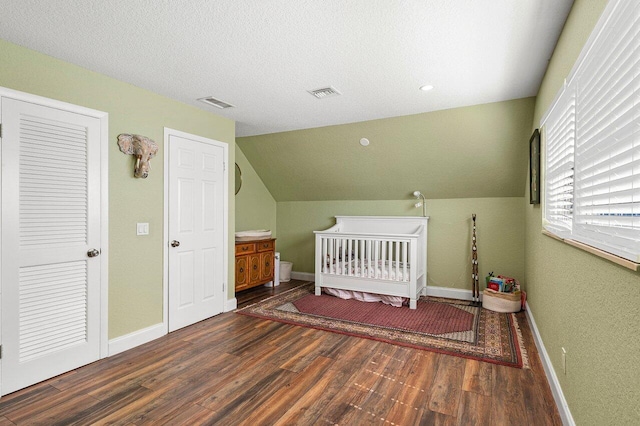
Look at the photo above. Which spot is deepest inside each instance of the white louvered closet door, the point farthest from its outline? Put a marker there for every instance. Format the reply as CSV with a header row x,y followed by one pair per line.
x,y
50,223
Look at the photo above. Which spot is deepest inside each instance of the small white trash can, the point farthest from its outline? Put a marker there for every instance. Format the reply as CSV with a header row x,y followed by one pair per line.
x,y
285,271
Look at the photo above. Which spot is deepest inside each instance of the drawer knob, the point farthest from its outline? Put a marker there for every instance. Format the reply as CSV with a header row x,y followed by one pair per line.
x,y
255,267
267,263
245,248
241,269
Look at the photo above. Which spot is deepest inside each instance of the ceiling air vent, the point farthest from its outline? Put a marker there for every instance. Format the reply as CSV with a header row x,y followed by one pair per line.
x,y
325,92
216,102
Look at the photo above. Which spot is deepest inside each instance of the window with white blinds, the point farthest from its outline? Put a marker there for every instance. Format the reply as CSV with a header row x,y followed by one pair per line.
x,y
592,140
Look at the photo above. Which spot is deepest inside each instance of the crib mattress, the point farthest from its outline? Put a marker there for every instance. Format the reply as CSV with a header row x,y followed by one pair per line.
x,y
382,270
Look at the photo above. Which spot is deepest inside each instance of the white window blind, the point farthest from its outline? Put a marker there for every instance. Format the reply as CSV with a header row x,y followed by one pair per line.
x,y
560,138
607,191
592,175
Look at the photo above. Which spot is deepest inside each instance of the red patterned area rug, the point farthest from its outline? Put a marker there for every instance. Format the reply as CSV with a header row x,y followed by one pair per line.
x,y
447,326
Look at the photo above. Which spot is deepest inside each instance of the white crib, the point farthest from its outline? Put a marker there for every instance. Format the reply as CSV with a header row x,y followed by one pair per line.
x,y
375,254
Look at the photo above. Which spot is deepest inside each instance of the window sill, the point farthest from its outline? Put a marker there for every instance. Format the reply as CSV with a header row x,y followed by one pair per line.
x,y
597,252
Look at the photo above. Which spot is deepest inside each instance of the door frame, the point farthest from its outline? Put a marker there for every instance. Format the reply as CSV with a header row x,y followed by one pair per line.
x,y
225,218
104,199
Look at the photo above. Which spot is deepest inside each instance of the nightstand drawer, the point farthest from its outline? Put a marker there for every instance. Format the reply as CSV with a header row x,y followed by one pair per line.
x,y
245,248
265,245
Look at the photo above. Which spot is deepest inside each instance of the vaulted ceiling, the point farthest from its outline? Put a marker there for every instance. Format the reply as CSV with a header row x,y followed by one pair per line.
x,y
467,152
263,56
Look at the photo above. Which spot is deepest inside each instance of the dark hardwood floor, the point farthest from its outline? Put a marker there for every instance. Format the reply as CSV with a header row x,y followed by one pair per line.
x,y
233,369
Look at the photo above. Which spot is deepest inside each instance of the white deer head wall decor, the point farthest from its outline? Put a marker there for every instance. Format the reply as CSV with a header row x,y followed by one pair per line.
x,y
143,148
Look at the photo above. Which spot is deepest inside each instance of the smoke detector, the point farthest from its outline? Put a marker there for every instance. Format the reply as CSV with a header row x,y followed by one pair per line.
x,y
325,92
216,102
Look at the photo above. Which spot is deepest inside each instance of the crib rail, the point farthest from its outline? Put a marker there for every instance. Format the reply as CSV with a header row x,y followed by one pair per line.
x,y
379,257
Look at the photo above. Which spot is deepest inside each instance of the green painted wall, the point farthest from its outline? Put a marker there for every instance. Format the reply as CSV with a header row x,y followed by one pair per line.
x,y
135,263
581,302
255,207
472,152
500,231
465,160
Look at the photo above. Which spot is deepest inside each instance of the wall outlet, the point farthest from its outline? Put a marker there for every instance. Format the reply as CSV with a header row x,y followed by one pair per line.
x,y
142,229
564,361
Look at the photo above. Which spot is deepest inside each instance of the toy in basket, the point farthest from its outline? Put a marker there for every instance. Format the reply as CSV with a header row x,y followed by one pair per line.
x,y
502,294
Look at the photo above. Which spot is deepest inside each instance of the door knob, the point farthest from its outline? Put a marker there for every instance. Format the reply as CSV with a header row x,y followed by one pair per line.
x,y
93,253
175,243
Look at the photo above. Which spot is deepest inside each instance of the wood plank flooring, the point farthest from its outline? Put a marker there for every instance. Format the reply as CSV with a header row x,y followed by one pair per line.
x,y
236,370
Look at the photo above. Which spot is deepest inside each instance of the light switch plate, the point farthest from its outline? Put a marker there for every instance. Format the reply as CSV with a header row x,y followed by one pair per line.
x,y
142,229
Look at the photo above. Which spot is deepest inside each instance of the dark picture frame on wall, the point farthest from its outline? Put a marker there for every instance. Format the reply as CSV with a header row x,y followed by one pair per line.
x,y
534,168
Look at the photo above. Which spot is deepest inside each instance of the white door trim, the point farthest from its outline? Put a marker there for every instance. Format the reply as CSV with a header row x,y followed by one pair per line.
x,y
104,198
165,239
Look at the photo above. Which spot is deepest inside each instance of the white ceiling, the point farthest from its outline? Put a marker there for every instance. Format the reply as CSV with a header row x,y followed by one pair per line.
x,y
263,55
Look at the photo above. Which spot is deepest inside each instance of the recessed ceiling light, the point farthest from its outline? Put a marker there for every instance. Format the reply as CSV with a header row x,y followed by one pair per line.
x,y
364,141
426,87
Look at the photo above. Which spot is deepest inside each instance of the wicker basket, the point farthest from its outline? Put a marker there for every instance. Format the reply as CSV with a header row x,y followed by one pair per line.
x,y
501,302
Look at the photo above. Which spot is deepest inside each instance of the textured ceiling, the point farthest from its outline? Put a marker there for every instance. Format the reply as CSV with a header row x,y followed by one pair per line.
x,y
262,56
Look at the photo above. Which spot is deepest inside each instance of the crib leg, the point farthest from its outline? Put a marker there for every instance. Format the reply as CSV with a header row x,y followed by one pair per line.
x,y
318,291
413,303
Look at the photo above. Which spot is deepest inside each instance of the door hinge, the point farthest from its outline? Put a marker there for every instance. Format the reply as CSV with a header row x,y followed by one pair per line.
x,y
0,351
0,130
224,166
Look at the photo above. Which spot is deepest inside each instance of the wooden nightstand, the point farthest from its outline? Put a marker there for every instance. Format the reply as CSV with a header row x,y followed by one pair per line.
x,y
254,263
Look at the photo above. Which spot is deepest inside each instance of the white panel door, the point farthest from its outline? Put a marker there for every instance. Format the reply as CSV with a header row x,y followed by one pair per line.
x,y
196,231
50,237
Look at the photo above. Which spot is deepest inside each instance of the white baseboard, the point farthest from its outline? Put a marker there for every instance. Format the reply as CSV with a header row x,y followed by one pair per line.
x,y
451,293
137,338
554,383
304,276
231,305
